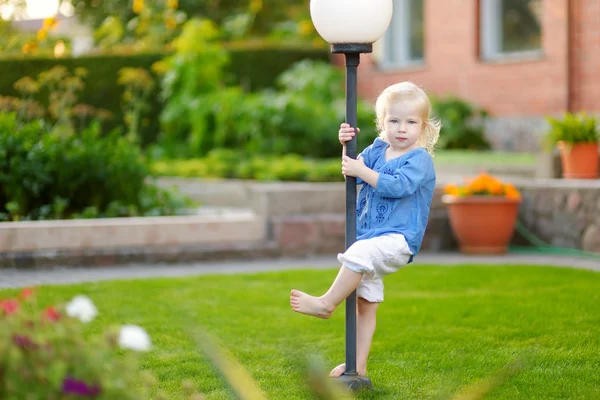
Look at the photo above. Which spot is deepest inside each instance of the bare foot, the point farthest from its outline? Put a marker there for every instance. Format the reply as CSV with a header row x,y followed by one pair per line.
x,y
310,305
340,369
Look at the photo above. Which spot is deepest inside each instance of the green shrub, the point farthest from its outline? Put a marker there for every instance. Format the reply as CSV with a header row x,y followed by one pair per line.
x,y
301,117
101,88
231,164
462,124
572,128
254,68
46,175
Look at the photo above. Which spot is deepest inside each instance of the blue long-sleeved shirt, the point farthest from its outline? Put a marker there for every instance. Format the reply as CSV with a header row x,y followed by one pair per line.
x,y
401,200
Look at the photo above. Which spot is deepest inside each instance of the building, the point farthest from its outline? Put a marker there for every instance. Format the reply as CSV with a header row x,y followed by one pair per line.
x,y
521,60
80,35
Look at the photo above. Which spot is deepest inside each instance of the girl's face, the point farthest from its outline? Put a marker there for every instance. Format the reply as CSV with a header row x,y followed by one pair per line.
x,y
403,126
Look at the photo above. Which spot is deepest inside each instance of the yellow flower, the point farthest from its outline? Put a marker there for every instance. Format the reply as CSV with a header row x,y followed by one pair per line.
x,y
29,47
50,23
42,34
256,6
138,6
26,85
171,23
172,4
305,27
318,42
160,67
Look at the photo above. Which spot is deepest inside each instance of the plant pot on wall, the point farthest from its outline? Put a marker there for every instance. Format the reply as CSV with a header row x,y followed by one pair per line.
x,y
482,224
576,137
579,160
482,214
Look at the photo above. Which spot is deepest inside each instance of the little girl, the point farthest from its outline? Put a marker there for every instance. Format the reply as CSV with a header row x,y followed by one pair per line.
x,y
398,179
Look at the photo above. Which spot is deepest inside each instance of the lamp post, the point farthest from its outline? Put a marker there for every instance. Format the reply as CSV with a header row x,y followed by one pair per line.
x,y
351,27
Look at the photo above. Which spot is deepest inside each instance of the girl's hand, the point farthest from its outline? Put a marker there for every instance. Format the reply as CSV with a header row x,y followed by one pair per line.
x,y
346,133
352,167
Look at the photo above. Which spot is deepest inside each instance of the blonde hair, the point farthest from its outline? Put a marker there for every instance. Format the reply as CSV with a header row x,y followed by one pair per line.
x,y
413,96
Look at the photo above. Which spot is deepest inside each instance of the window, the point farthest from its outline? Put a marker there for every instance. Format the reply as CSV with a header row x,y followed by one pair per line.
x,y
403,41
510,28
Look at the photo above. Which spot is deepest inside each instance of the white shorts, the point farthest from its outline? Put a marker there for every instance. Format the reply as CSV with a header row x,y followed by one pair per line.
x,y
376,258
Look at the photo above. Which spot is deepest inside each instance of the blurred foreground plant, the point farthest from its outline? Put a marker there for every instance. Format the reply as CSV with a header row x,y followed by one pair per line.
x,y
323,387
48,352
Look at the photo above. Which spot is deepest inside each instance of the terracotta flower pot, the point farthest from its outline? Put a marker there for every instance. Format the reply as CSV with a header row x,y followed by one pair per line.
x,y
482,224
579,161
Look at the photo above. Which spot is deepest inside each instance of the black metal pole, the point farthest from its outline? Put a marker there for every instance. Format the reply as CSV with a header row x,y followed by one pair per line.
x,y
352,61
352,52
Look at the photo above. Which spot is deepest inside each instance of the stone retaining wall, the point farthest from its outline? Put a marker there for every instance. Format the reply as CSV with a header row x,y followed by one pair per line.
x,y
561,213
279,219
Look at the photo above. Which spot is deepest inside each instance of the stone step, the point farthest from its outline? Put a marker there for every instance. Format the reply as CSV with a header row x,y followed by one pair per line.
x,y
210,226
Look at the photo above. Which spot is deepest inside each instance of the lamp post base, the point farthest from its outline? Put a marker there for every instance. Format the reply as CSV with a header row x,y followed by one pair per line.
x,y
355,382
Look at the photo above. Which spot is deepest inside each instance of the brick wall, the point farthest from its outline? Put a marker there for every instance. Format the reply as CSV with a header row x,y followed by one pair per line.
x,y
585,52
536,87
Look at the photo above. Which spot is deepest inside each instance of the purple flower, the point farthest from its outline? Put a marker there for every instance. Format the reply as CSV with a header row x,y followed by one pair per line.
x,y
77,387
24,342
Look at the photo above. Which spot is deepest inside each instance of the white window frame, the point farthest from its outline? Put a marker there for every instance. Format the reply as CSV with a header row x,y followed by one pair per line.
x,y
491,35
398,35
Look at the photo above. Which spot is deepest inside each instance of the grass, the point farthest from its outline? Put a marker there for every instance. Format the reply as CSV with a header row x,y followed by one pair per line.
x,y
295,168
440,329
484,158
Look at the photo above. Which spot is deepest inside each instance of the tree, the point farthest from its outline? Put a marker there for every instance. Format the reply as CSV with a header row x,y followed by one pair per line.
x,y
267,12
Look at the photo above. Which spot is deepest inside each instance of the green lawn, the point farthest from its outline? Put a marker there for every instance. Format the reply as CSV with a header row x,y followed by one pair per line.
x,y
440,330
487,158
295,168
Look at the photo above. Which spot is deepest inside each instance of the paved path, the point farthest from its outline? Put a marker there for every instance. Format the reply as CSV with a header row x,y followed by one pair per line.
x,y
56,276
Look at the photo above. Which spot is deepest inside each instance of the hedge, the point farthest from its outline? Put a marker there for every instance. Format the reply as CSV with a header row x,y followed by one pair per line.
x,y
254,69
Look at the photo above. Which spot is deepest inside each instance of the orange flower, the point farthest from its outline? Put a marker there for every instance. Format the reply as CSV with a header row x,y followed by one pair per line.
x,y
172,4
496,188
452,189
483,185
512,192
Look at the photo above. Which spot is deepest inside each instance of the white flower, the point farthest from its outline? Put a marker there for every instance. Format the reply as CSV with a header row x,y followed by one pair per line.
x,y
82,308
134,337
